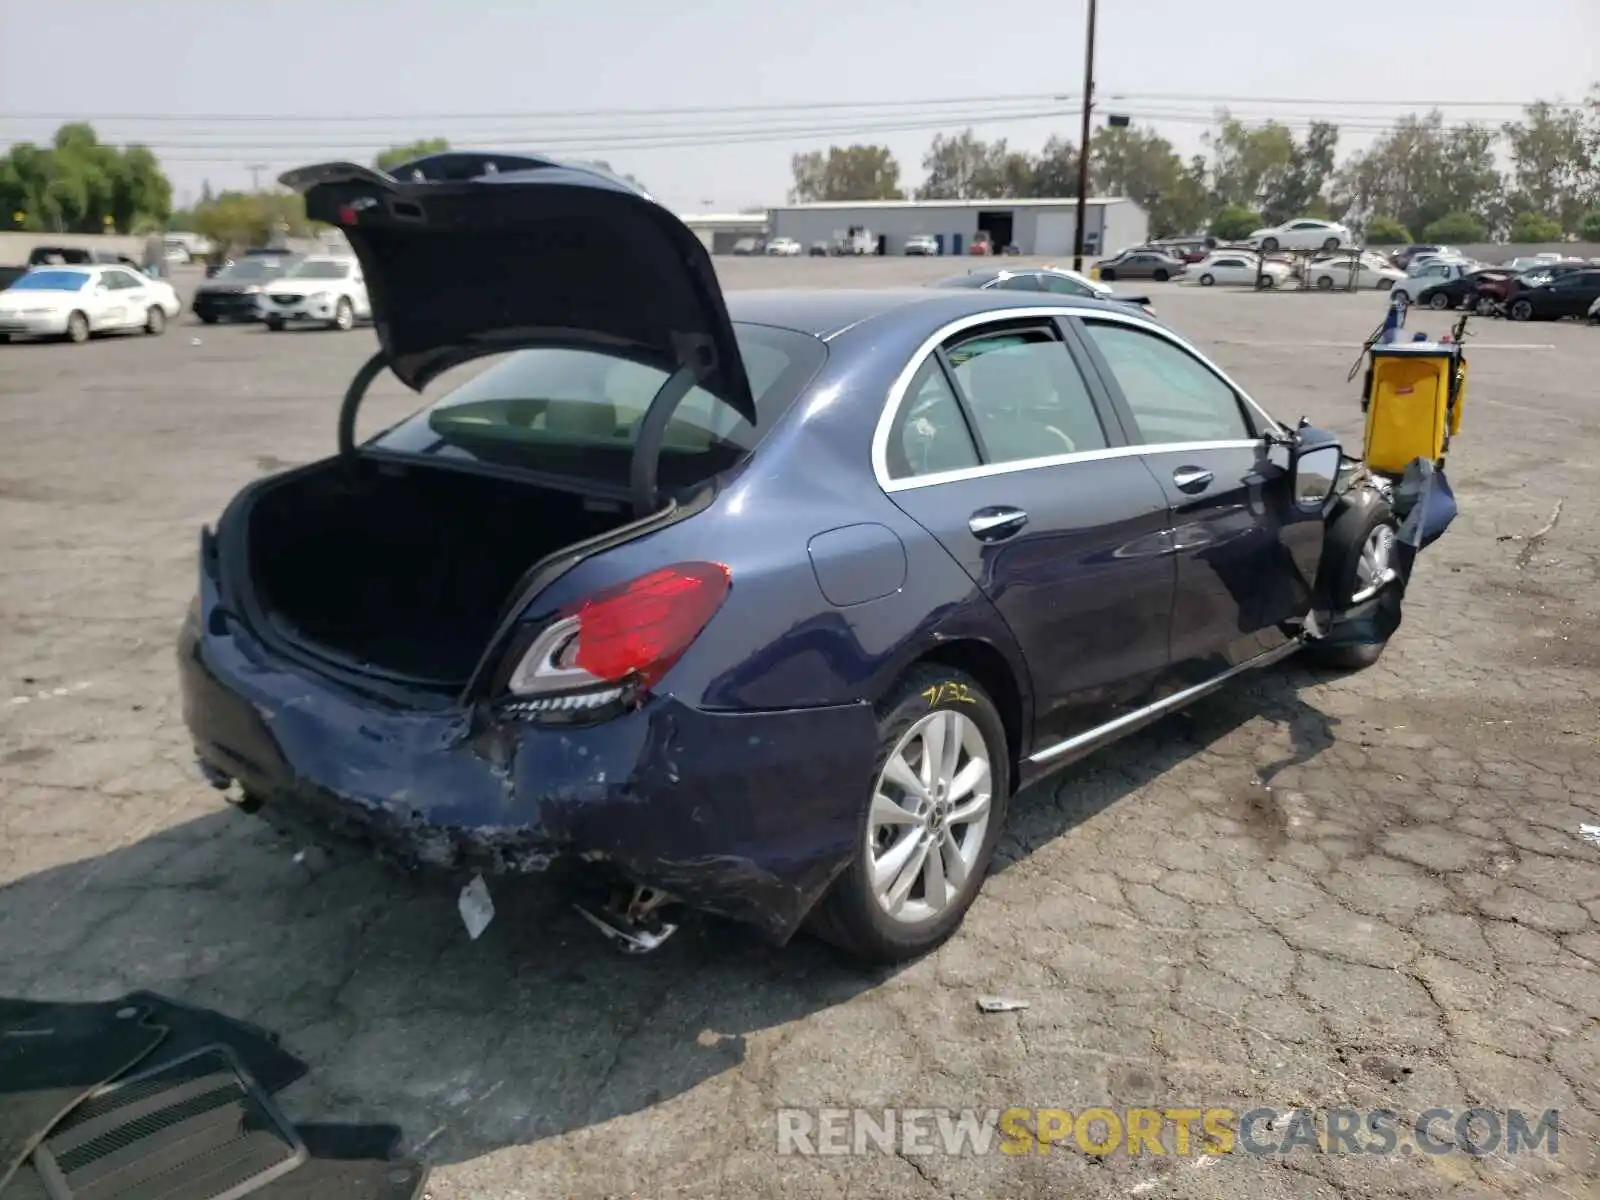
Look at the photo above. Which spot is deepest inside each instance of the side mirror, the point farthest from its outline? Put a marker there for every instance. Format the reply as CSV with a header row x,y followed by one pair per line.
x,y
1314,470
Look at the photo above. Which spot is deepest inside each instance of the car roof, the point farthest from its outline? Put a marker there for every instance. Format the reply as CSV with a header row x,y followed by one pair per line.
x,y
827,312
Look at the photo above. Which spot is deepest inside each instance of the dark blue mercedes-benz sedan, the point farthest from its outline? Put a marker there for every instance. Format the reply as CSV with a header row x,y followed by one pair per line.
x,y
764,604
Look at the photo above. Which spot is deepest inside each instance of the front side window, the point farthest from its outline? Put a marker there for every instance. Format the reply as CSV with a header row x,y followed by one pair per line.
x,y
1174,397
1027,396
575,412
930,433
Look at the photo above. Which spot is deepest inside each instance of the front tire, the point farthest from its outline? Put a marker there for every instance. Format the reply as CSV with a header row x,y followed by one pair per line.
x,y
1359,548
208,318
1108,276
344,316
1268,245
1522,310
1208,280
1160,275
1438,302
275,324
78,328
930,821
1325,283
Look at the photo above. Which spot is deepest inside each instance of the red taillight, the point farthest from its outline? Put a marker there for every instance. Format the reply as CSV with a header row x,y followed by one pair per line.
x,y
347,215
642,627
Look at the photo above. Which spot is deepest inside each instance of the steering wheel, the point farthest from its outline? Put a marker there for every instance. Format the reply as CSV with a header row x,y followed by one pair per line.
x,y
1071,447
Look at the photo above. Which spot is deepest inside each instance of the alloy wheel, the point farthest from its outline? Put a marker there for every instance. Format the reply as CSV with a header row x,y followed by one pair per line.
x,y
930,813
1376,554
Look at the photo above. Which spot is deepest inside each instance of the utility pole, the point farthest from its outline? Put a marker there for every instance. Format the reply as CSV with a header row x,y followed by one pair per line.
x,y
1083,144
255,170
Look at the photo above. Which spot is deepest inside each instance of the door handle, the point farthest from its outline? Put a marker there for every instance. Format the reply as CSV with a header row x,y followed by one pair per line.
x,y
1192,479
996,524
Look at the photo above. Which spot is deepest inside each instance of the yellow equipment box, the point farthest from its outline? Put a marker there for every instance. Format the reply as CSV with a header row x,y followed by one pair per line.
x,y
1415,392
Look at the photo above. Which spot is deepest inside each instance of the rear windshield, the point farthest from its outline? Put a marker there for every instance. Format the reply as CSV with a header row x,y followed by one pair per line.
x,y
975,280
577,412
315,268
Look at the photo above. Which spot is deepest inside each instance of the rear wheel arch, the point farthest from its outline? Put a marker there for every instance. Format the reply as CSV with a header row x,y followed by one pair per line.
x,y
994,673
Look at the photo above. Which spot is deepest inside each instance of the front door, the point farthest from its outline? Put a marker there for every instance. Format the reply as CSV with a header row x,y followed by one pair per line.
x,y
128,294
1001,451
1247,557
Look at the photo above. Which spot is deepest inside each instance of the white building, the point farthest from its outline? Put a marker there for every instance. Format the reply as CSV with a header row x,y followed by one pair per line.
x,y
719,231
1036,227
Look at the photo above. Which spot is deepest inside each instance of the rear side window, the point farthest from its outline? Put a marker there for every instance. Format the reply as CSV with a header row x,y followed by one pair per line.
x,y
1174,397
1027,396
577,412
929,434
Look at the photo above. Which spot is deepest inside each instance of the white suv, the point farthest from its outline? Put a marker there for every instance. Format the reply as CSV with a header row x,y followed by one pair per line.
x,y
322,289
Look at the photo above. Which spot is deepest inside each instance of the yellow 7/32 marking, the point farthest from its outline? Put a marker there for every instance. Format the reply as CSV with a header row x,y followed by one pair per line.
x,y
954,693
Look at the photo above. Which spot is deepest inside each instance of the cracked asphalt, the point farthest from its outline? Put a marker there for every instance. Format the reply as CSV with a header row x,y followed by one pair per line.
x,y
1362,891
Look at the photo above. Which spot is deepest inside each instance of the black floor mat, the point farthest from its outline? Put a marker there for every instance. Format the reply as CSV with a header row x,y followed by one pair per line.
x,y
190,1028
345,1162
350,1162
194,1129
50,1060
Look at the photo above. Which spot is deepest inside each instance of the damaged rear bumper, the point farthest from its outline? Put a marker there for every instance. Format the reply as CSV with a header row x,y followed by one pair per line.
x,y
747,815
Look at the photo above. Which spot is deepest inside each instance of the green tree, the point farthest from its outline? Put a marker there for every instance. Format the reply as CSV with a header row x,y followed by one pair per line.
x,y
1421,171
856,172
1553,164
1589,225
1299,190
1455,227
1142,165
239,220
1055,170
395,155
1530,227
1234,222
965,167
1386,231
79,185
1249,166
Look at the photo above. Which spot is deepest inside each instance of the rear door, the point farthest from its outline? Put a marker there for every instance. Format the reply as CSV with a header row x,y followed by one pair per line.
x,y
130,294
1005,451
1246,556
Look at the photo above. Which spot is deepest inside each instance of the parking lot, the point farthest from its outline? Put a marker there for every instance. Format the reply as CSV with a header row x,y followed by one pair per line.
x,y
1365,892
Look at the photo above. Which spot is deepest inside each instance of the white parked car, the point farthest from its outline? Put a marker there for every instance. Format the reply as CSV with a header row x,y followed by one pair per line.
x,y
322,289
784,247
1336,272
1242,269
1304,234
79,301
924,244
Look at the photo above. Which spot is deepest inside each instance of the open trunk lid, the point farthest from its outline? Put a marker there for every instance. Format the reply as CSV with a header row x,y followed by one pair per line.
x,y
467,254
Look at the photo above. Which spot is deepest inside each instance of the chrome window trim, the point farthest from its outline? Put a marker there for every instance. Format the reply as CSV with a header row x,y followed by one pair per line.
x,y
898,389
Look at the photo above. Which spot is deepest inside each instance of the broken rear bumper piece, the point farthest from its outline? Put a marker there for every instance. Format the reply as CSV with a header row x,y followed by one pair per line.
x,y
737,814
1425,506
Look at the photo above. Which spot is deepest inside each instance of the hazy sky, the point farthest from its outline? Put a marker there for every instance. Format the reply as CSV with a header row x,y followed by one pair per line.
x,y
343,79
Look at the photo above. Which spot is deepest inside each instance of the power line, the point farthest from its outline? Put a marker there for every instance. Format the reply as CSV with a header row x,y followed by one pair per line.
x,y
334,142
1418,103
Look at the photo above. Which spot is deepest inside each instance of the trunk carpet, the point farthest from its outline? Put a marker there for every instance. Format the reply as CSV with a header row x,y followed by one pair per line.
x,y
170,1102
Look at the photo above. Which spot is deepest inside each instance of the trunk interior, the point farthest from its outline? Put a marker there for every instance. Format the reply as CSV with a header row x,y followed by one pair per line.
x,y
406,570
